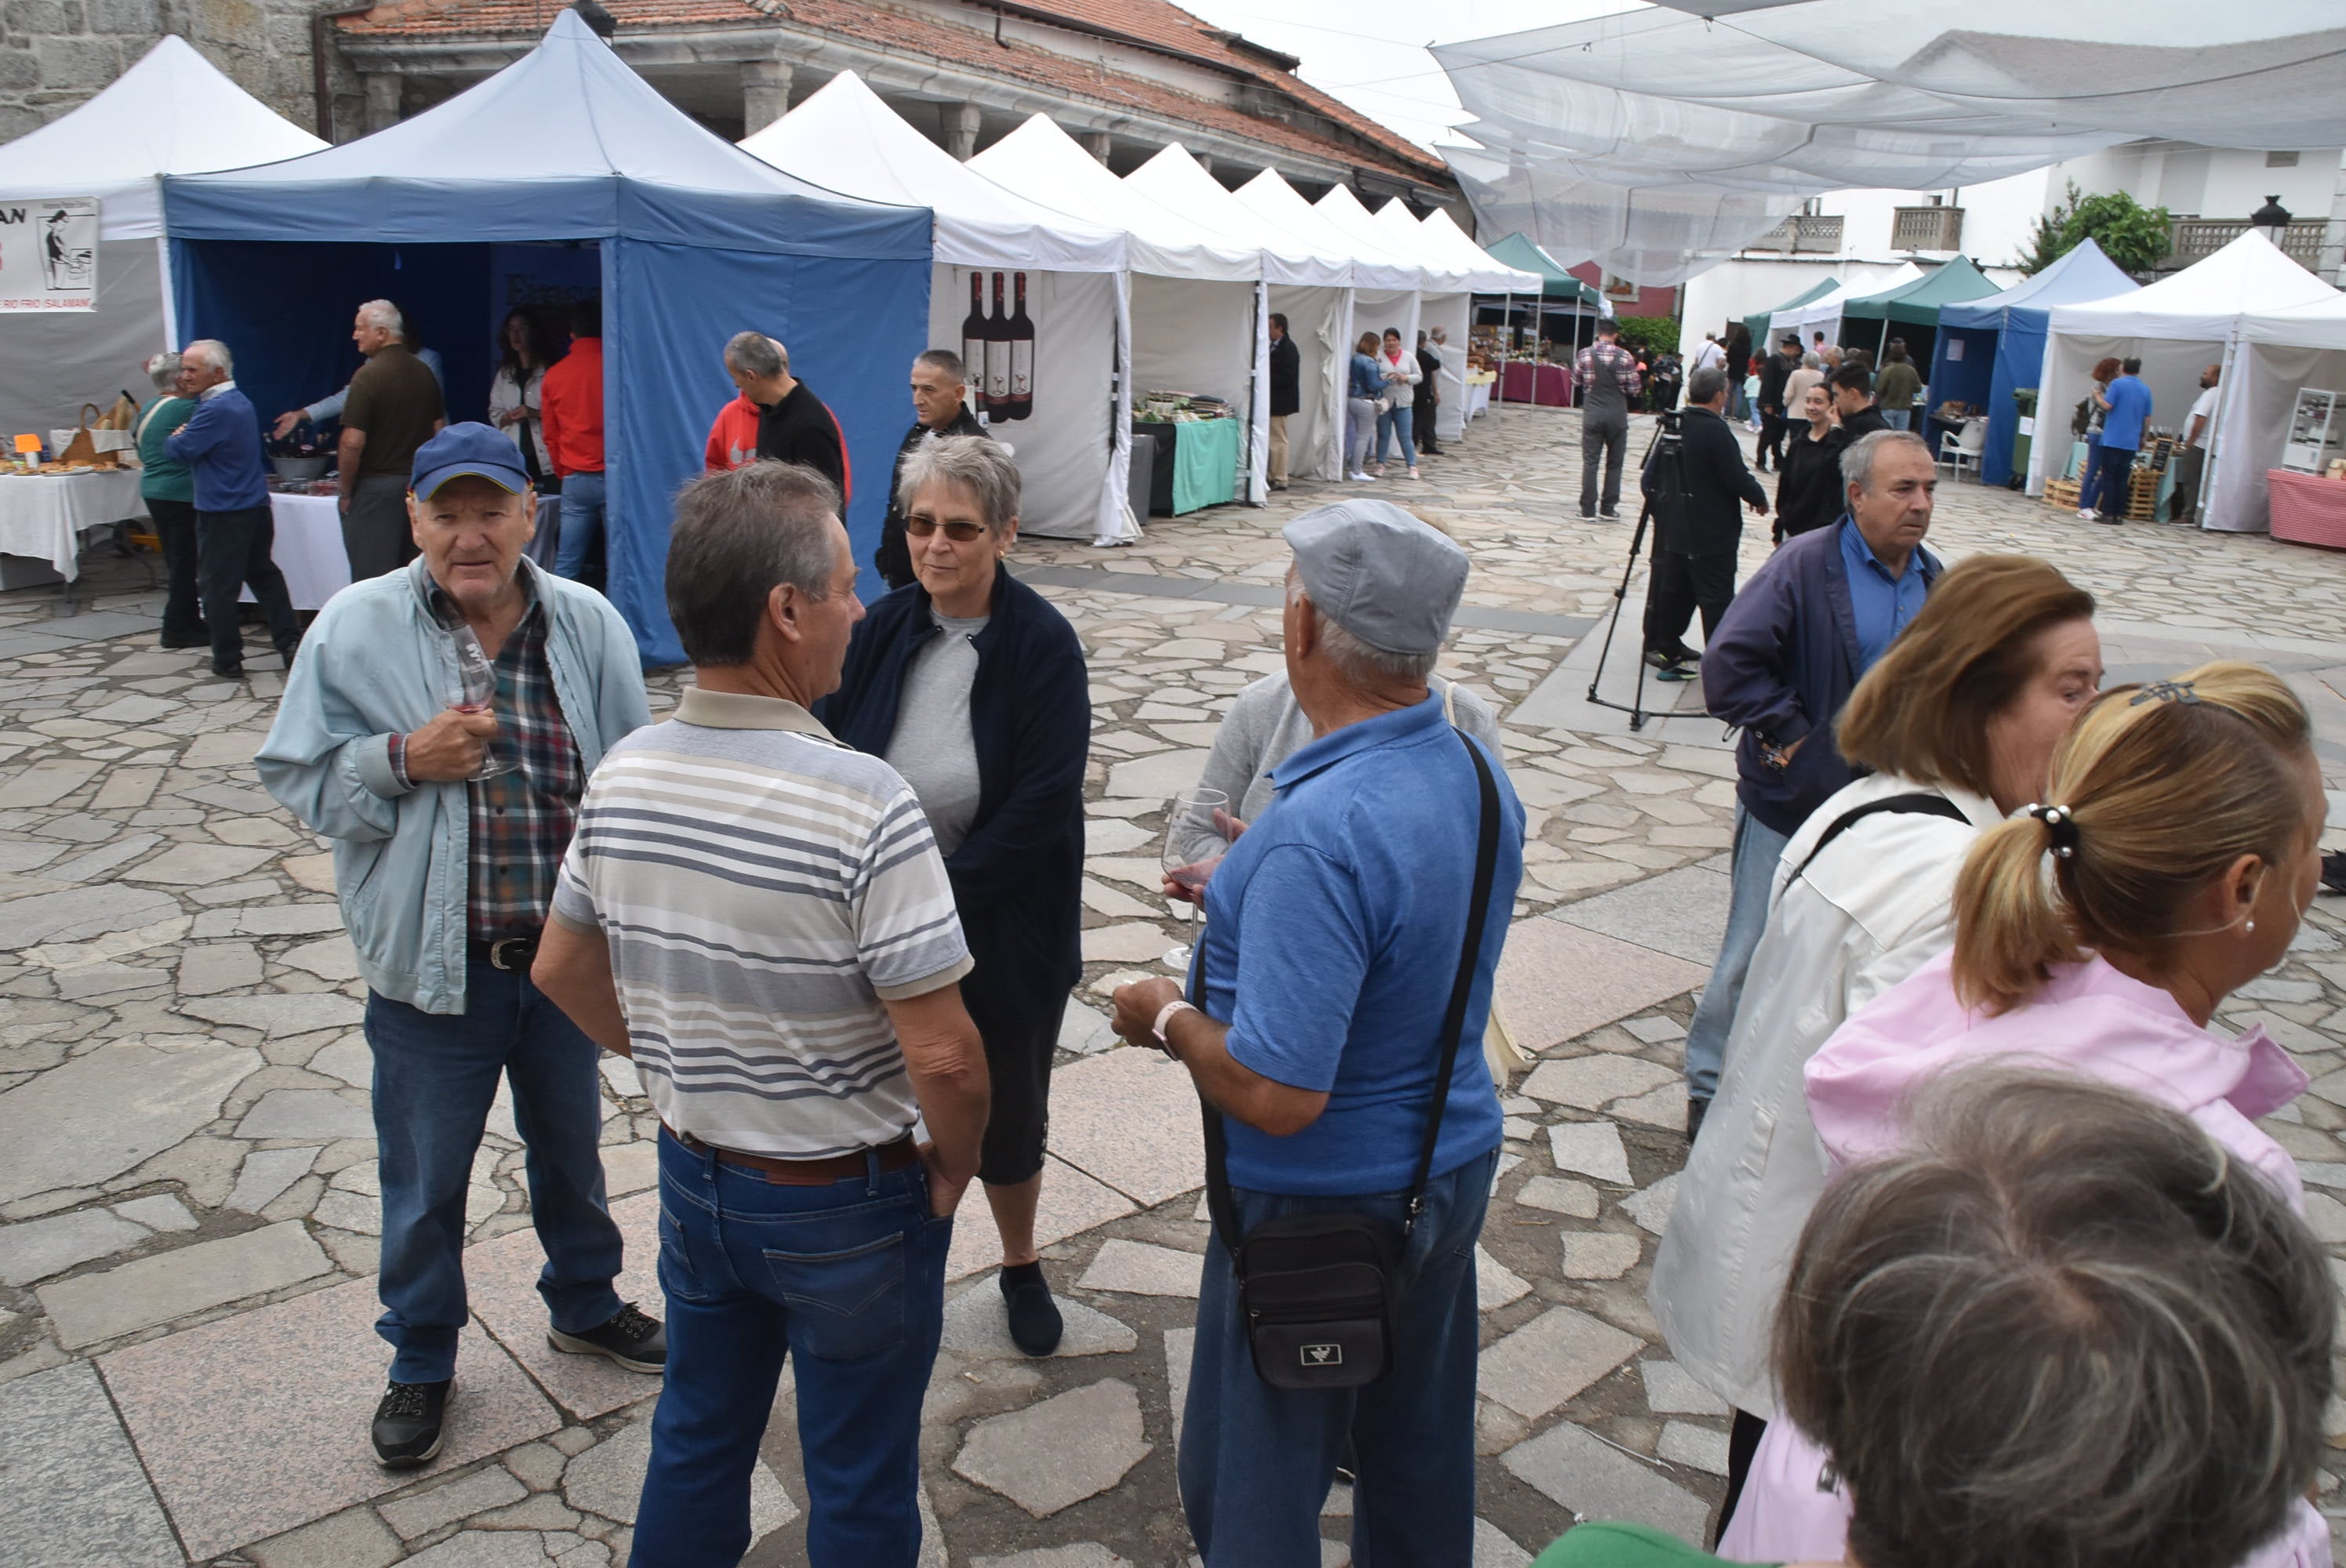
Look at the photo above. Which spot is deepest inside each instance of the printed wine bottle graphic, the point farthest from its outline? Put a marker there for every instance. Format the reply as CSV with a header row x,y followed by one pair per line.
x,y
1022,356
973,337
997,356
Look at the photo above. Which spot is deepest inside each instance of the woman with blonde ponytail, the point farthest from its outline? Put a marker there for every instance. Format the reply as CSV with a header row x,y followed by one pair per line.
x,y
2097,931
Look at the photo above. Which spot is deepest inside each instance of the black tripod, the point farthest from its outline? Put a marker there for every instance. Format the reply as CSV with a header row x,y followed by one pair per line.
x,y
1664,470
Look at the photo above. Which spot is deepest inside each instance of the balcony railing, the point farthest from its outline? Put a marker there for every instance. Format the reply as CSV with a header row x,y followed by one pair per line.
x,y
1926,229
1802,233
2197,238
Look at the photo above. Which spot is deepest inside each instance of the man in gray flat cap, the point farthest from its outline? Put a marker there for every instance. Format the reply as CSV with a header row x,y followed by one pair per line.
x,y
1315,1026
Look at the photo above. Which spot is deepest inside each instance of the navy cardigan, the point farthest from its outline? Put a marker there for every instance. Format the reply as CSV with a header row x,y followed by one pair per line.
x,y
1784,661
1017,878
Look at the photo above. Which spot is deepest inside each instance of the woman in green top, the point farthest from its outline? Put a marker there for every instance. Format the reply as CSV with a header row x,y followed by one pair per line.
x,y
2060,1329
170,490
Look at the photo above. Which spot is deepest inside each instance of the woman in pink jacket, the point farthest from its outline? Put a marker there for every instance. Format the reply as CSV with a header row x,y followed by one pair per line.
x,y
2096,933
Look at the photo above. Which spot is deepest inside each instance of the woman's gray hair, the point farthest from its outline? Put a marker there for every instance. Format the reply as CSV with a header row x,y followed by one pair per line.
x,y
1813,361
756,355
163,369
1857,463
2062,1326
976,463
1361,666
737,536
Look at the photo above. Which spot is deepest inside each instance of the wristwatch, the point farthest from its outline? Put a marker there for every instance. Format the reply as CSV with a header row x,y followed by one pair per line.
x,y
1164,1016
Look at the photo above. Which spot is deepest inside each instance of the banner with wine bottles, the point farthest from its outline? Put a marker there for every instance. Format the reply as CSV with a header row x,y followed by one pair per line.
x,y
1040,349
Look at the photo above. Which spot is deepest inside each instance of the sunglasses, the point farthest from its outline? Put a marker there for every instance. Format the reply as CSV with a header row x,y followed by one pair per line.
x,y
920,527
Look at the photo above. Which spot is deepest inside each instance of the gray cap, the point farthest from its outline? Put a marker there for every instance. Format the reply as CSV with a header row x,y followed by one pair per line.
x,y
1379,572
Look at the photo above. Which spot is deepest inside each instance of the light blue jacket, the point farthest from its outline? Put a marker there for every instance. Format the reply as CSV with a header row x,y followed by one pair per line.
x,y
377,662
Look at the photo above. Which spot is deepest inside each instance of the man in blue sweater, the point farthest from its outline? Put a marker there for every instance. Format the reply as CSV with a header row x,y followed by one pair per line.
x,y
221,444
2126,408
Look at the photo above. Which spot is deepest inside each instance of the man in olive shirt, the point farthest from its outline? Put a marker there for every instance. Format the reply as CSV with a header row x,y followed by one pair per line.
x,y
1899,384
394,407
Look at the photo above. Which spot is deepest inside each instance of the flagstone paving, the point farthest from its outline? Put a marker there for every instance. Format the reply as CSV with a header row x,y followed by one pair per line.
x,y
188,1202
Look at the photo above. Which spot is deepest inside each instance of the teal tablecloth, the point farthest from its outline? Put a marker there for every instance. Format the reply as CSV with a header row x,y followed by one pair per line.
x,y
1205,464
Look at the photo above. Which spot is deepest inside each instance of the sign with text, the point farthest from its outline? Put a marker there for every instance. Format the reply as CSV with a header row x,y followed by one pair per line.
x,y
48,254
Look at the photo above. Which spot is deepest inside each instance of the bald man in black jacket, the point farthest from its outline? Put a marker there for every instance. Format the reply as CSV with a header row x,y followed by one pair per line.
x,y
1696,528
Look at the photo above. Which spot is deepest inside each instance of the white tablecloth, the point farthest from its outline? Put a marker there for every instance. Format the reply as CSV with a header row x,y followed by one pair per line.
x,y
309,548
43,514
1478,397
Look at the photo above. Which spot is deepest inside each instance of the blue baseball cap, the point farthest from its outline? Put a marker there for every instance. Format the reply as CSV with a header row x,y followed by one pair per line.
x,y
471,448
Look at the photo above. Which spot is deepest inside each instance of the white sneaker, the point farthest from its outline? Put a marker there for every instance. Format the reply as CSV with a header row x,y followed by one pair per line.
x,y
2088,514
1413,470
1366,478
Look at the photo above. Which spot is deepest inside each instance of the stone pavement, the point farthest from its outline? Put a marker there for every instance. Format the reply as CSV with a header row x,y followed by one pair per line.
x,y
188,1202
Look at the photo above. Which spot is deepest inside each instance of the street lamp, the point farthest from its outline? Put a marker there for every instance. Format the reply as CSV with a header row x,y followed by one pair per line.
x,y
2271,220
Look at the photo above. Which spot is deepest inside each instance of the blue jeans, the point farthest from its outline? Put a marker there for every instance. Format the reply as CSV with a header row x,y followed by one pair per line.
x,y
849,1280
2113,479
1899,418
1757,848
1392,419
1256,1461
434,1075
582,519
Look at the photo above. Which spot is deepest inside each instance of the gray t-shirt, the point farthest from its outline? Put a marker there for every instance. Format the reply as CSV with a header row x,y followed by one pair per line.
x,y
932,747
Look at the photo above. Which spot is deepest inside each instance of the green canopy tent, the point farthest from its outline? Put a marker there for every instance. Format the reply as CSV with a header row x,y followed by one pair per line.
x,y
1912,308
1561,293
1757,323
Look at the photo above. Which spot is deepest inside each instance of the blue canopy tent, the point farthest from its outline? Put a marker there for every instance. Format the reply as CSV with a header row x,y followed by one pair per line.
x,y
2001,339
565,172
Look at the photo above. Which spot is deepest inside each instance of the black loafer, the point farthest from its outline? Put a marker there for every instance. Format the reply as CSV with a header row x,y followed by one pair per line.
x,y
632,1339
228,671
407,1423
1034,1321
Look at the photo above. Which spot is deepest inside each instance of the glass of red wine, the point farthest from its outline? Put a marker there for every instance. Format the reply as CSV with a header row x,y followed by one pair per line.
x,y
479,675
1196,836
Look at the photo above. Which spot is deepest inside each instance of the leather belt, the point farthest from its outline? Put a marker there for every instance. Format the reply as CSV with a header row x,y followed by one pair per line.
x,y
509,952
896,1156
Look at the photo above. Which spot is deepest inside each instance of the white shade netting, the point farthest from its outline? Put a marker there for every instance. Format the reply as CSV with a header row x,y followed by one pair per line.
x,y
1070,438
1802,98
174,112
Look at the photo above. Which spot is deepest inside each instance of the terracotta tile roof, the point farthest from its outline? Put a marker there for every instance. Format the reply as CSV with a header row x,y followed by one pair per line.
x,y
1150,23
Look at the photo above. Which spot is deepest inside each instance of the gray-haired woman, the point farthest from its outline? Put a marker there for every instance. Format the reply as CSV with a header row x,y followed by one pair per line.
x,y
974,688
170,492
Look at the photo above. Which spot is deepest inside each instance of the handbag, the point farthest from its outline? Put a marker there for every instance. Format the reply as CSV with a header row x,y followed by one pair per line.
x,y
1319,1292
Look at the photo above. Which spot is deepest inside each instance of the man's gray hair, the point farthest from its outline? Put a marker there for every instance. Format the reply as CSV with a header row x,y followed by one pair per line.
x,y
1361,665
215,354
737,536
975,462
756,355
1857,463
383,315
1705,384
1441,334
943,359
164,368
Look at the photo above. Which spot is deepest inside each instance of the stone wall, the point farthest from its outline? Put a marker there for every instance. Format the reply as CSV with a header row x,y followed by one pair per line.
x,y
54,54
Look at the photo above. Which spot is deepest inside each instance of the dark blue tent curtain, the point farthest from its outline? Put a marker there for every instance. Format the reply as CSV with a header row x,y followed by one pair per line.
x,y
2019,363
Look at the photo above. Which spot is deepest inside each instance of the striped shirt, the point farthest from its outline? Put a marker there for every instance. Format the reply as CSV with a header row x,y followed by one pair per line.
x,y
764,890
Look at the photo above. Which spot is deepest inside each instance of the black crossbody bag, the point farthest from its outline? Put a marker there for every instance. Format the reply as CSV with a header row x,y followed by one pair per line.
x,y
1320,1291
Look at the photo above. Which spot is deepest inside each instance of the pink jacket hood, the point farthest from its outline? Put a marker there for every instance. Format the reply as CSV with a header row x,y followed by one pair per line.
x,y
2090,1019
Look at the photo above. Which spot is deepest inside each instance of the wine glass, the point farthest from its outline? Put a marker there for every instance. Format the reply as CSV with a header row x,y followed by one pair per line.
x,y
479,675
1196,835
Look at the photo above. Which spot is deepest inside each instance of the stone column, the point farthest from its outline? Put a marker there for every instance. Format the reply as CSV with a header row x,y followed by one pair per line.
x,y
961,121
1205,161
765,93
1096,143
381,99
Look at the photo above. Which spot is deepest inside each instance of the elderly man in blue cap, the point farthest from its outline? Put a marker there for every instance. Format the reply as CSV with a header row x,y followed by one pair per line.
x,y
1351,938
450,810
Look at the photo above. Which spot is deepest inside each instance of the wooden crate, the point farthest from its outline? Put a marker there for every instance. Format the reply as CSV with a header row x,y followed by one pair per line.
x,y
2142,495
2061,493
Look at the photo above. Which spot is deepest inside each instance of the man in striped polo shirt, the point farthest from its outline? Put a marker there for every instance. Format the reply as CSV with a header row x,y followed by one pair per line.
x,y
759,918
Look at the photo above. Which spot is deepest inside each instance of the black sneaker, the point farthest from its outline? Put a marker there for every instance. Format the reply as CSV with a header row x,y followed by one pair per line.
x,y
632,1340
1610,515
1657,659
1588,516
1034,1321
228,671
2334,871
175,641
407,1424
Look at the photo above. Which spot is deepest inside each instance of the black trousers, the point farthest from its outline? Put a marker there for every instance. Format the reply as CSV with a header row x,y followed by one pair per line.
x,y
1680,586
1604,439
232,552
175,526
1421,426
1772,427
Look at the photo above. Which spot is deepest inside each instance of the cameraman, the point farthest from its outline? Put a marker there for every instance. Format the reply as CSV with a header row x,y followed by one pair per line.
x,y
1696,525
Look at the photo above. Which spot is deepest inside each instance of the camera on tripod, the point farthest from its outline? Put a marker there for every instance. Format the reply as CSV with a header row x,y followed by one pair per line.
x,y
1662,477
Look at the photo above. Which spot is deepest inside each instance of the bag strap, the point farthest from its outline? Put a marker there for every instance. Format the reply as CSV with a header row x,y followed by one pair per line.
x,y
1916,805
1219,1201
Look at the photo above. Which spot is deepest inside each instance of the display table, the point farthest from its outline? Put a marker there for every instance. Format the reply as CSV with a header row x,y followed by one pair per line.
x,y
1478,392
2307,509
44,516
309,549
1535,383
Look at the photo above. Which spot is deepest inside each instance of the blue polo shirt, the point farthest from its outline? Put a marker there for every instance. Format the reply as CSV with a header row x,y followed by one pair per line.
x,y
221,446
1331,939
2129,401
1880,604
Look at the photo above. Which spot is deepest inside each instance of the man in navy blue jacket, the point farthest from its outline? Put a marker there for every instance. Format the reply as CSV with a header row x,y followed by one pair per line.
x,y
235,531
1787,655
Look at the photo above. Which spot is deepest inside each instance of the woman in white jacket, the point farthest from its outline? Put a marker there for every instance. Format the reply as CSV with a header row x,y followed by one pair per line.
x,y
1957,723
1398,369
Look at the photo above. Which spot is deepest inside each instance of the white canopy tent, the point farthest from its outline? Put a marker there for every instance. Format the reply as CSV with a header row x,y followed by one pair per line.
x,y
1450,309
1375,310
172,113
2278,353
1485,274
1074,450
1194,321
2177,327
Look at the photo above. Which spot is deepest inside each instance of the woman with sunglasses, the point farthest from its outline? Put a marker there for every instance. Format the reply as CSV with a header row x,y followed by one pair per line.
x,y
974,688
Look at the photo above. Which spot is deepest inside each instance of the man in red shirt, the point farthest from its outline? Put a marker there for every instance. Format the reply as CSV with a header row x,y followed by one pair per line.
x,y
570,410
